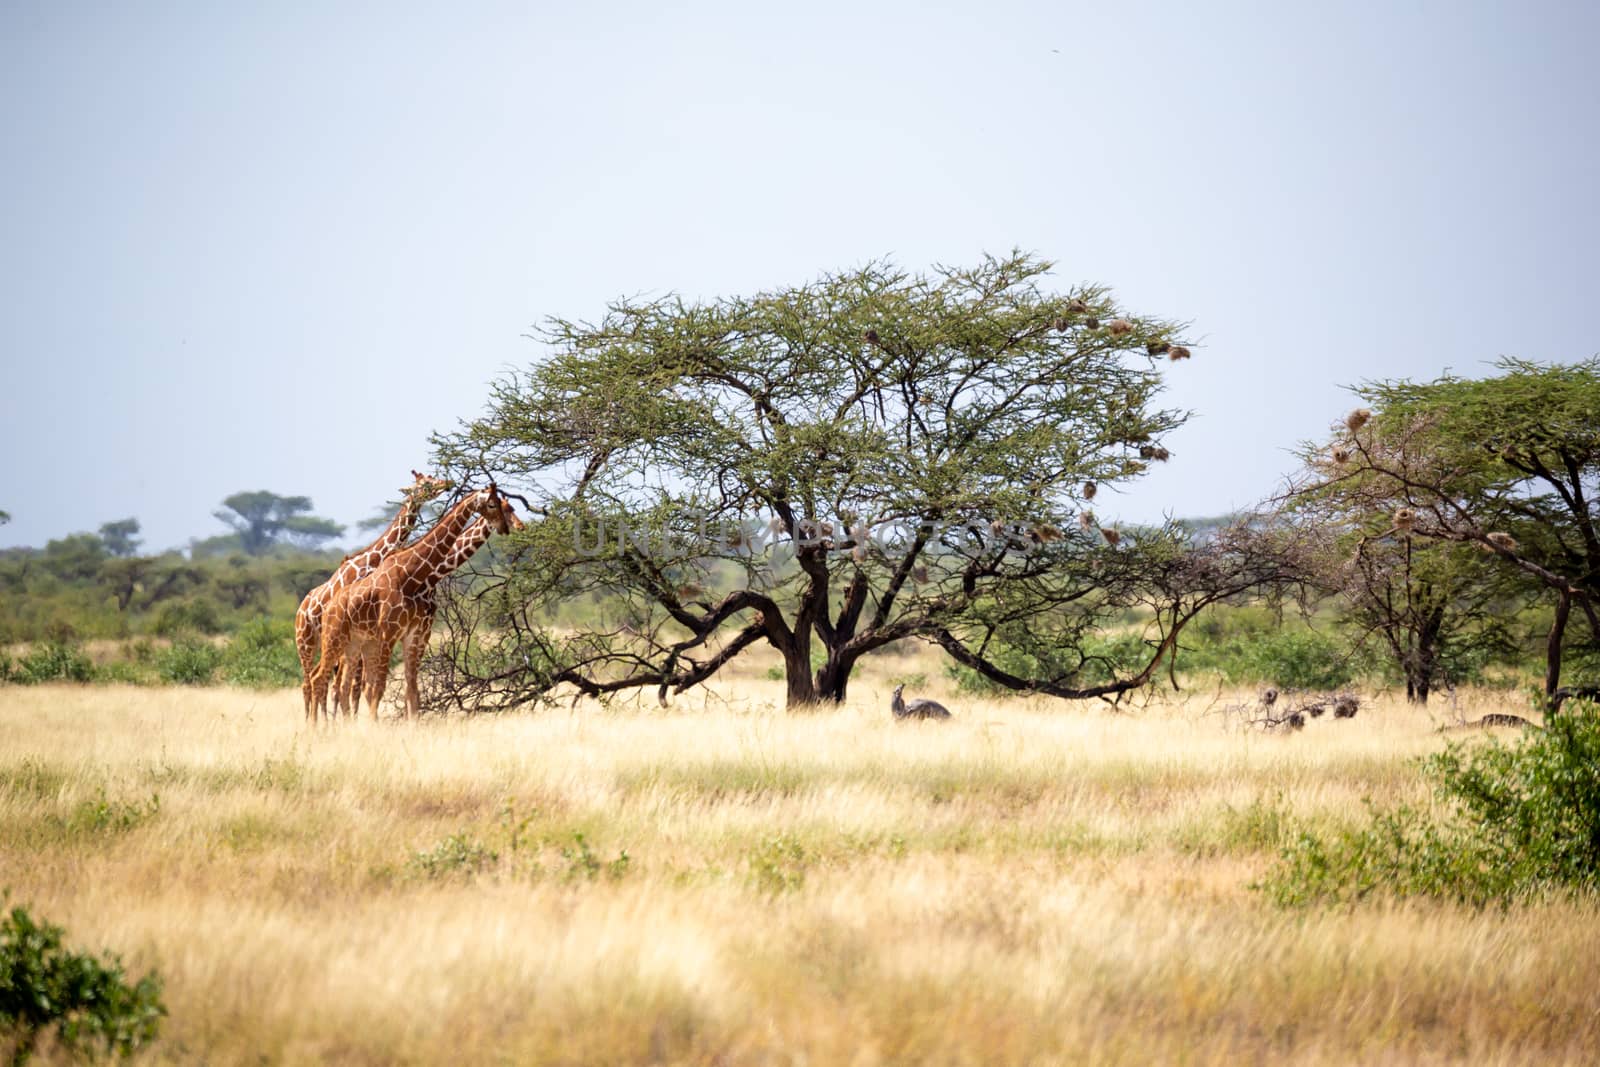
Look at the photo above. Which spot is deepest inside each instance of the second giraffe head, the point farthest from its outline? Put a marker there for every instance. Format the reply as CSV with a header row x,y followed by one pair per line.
x,y
496,509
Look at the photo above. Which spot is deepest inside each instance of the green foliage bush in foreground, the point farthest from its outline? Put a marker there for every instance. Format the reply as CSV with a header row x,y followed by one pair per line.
x,y
88,1001
1507,820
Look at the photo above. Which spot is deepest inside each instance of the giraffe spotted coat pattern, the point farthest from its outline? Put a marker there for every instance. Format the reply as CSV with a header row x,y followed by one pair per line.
x,y
354,567
395,602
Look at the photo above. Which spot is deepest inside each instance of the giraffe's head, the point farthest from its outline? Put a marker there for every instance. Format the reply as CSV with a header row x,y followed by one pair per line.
x,y
498,511
425,487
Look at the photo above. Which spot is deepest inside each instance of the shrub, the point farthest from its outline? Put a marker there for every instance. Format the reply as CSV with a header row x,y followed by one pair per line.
x,y
457,854
190,661
1512,819
778,865
89,1001
51,662
584,865
128,672
186,616
1292,659
104,816
262,655
1301,660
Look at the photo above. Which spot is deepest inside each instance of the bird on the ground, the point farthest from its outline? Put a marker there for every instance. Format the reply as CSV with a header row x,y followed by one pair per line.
x,y
917,709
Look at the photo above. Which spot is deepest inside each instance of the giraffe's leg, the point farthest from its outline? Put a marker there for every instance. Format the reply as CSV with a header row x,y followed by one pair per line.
x,y
376,673
358,667
306,635
342,696
335,633
416,644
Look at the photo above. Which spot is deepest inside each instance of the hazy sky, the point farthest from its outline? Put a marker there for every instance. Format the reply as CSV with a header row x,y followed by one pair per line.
x,y
274,248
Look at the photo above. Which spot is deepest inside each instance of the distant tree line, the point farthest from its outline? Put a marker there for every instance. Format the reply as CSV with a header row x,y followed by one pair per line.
x,y
95,585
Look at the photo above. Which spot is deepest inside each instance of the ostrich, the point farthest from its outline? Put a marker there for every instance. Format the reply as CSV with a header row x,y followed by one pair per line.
x,y
917,709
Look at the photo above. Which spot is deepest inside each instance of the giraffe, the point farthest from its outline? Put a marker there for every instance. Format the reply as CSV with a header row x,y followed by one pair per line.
x,y
374,657
357,565
396,600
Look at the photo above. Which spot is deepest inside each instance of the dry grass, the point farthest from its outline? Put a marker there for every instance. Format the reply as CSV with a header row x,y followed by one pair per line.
x,y
1033,882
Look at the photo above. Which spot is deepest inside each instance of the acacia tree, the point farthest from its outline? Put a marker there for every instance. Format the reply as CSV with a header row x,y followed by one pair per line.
x,y
1508,464
121,537
830,468
262,519
1435,608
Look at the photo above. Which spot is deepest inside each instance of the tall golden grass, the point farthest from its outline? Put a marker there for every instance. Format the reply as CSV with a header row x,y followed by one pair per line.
x,y
722,882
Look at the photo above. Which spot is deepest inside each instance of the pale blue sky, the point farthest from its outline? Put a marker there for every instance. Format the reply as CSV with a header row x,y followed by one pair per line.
x,y
276,248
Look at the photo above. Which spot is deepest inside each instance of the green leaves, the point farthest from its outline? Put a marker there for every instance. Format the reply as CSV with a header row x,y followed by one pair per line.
x,y
924,407
89,1001
935,392
1507,820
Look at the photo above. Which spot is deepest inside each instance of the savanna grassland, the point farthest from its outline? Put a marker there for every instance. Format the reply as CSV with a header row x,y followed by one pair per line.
x,y
722,882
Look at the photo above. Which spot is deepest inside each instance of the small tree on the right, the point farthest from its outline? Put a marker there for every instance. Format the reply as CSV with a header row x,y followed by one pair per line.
x,y
1509,465
1437,611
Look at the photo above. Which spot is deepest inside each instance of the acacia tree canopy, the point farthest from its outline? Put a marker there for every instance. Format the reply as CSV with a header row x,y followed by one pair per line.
x,y
872,456
1434,607
121,537
262,519
1509,464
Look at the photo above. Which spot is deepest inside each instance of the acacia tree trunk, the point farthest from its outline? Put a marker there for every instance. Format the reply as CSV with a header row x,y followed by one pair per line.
x,y
1552,650
833,677
826,684
1420,668
796,650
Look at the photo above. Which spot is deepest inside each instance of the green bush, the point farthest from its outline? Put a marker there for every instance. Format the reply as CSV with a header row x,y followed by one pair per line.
x,y
187,616
457,854
103,816
778,865
89,1001
1295,660
190,661
1248,649
262,655
1512,819
129,672
584,865
54,661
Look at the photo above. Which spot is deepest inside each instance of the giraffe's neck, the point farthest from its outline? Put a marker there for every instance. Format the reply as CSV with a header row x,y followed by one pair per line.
x,y
471,539
429,550
395,534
